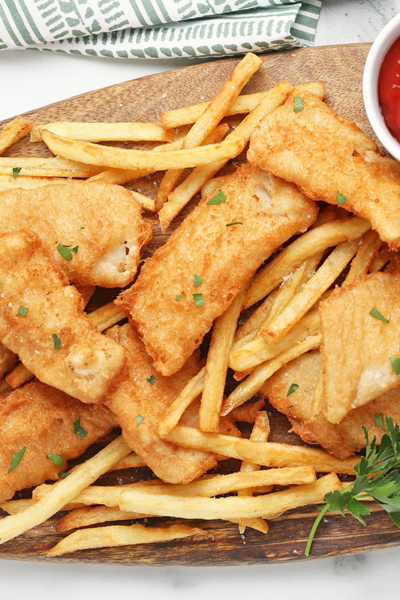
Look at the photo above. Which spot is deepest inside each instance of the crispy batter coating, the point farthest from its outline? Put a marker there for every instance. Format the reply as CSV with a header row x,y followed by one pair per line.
x,y
162,303
324,153
36,303
7,360
142,392
342,440
41,419
103,220
356,346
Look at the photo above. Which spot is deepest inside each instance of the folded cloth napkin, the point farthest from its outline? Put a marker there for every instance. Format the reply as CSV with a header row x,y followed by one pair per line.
x,y
157,28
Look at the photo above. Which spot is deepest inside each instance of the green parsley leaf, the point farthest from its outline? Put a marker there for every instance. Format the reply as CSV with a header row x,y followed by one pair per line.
x,y
340,199
16,172
151,379
78,429
82,227
63,475
16,459
379,421
56,459
139,419
198,299
179,297
297,104
75,250
65,252
197,280
395,362
23,311
234,223
292,389
56,340
219,198
375,313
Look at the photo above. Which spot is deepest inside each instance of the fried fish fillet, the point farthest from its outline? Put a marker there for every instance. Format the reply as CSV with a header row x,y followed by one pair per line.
x,y
140,402
357,346
342,440
326,154
101,221
193,278
41,419
42,320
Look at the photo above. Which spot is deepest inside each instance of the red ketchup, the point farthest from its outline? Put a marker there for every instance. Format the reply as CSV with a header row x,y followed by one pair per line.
x,y
389,89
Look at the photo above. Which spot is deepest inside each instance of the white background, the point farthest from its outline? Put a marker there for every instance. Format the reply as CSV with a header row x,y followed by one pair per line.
x,y
29,80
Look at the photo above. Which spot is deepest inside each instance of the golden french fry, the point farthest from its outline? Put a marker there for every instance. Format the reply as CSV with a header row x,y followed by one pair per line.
x,y
93,515
327,273
145,202
247,413
8,182
260,350
13,131
46,167
382,258
366,253
314,241
15,506
120,158
120,535
103,132
4,387
210,118
190,392
250,386
63,491
217,365
183,193
132,461
267,454
270,505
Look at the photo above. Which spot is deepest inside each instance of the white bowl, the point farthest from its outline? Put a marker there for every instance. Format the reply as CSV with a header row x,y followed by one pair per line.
x,y
379,49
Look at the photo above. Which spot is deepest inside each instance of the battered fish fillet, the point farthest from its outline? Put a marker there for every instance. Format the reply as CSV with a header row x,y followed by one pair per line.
x,y
324,153
7,360
102,221
356,346
222,244
342,440
41,419
142,392
42,320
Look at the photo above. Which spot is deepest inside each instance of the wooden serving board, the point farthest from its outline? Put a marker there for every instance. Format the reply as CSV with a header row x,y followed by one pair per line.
x,y
340,67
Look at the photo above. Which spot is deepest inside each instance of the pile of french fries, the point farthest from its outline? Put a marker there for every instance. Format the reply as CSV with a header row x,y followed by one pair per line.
x,y
284,325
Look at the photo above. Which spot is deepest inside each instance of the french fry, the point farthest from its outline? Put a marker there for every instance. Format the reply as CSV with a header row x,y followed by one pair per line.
x,y
46,167
63,491
210,118
103,132
190,392
4,387
248,412
120,158
93,515
270,505
248,331
210,186
8,182
217,365
327,273
145,202
267,454
260,350
13,131
250,386
15,506
86,291
132,461
366,253
314,241
382,258
188,188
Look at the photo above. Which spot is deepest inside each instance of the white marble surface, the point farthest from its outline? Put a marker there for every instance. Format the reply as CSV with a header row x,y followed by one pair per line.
x,y
29,80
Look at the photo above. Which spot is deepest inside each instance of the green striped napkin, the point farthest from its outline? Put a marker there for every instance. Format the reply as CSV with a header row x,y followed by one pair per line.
x,y
157,28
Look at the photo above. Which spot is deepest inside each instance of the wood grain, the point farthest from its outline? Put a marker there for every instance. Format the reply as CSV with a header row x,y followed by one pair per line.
x,y
340,67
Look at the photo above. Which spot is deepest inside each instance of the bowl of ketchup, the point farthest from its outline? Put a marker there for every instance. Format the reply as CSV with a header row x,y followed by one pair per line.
x,y
381,87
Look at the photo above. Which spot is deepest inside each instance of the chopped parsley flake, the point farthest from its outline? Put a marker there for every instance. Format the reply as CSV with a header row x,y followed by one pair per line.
x,y
139,419
198,299
219,198
56,459
56,340
197,280
16,459
78,429
151,379
234,223
63,475
340,199
292,389
23,311
297,104
75,250
65,252
375,313
16,172
179,296
395,362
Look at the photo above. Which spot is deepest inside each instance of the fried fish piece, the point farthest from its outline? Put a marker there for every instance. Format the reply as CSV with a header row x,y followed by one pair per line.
x,y
356,345
343,439
41,419
42,320
140,402
193,278
97,227
326,155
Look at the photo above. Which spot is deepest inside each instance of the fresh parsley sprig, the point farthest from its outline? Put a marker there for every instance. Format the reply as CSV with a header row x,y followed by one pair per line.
x,y
376,477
